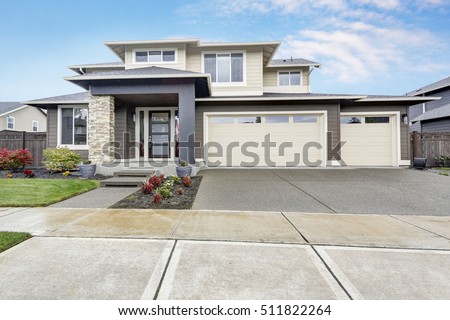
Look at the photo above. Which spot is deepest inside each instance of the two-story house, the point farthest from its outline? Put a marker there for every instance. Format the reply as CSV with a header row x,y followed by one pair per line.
x,y
432,116
220,104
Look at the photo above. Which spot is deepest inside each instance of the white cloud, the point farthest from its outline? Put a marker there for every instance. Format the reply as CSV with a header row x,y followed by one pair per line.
x,y
382,4
358,51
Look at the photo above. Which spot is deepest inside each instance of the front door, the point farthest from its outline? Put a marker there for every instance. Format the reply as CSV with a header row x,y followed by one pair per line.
x,y
159,134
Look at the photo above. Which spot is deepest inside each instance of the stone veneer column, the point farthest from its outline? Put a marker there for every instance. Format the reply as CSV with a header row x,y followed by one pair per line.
x,y
101,129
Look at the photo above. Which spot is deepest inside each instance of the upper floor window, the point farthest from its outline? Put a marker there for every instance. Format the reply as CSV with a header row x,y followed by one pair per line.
x,y
74,130
10,122
289,78
225,67
148,56
34,126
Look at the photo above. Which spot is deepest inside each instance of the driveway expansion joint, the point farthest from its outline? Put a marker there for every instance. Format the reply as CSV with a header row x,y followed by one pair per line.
x,y
308,194
419,227
155,297
296,229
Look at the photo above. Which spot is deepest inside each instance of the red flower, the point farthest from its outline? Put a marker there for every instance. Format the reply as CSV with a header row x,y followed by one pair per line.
x,y
27,172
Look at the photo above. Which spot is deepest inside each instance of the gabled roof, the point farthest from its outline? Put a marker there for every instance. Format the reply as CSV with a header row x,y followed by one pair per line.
x,y
441,112
431,87
6,107
292,63
74,98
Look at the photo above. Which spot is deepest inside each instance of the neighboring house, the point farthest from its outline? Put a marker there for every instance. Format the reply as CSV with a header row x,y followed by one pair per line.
x,y
19,117
227,104
432,116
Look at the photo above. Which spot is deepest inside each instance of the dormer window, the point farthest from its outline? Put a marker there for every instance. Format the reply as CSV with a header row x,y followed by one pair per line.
x,y
289,78
225,67
154,56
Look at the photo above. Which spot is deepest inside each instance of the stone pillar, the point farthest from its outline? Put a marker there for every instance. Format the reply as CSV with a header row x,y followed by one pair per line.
x,y
101,129
186,113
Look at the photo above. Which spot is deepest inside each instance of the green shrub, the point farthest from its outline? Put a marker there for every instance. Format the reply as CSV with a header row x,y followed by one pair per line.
x,y
61,159
443,159
166,190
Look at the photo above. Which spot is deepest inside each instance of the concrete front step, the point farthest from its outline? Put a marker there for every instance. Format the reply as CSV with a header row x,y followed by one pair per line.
x,y
143,173
123,182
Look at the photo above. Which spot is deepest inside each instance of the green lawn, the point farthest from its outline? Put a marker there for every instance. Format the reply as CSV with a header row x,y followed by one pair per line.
x,y
10,239
40,192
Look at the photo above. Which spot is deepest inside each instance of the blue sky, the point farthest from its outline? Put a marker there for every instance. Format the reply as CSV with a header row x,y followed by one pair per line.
x,y
364,46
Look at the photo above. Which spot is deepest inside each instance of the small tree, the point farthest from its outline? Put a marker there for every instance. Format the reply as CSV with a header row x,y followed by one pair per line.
x,y
61,159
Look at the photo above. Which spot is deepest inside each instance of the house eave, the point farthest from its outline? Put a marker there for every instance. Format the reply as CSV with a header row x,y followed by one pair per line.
x,y
292,98
399,99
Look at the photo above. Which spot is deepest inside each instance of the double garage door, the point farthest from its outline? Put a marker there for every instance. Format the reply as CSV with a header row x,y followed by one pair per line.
x,y
275,139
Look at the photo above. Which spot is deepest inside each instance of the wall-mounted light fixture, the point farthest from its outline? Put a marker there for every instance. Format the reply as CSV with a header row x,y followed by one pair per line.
x,y
405,119
133,116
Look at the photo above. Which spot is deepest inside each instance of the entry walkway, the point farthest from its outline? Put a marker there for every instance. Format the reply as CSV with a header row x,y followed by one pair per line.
x,y
161,254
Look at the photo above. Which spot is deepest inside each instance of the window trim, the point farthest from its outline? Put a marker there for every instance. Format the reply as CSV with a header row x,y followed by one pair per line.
x,y
290,71
59,128
32,125
155,62
244,68
13,122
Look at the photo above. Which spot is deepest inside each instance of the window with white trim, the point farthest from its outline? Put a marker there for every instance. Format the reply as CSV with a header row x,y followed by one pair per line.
x,y
11,122
289,78
224,67
35,126
74,130
151,56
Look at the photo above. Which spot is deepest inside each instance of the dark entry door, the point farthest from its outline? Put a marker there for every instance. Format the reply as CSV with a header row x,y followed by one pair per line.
x,y
159,134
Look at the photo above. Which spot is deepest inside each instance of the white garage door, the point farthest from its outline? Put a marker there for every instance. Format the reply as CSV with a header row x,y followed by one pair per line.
x,y
249,140
369,140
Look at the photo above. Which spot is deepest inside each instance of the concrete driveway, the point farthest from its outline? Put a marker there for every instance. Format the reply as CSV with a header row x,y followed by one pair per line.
x,y
343,190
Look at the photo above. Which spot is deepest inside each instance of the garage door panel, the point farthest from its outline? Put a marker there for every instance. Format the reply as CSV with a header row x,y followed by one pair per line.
x,y
296,135
367,143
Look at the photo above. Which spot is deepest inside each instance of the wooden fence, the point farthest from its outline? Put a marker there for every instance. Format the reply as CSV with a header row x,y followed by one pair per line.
x,y
35,142
430,145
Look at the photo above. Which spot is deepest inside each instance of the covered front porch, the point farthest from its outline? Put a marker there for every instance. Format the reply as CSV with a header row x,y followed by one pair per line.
x,y
142,122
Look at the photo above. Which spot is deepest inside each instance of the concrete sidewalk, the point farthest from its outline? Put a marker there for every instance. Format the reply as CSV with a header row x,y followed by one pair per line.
x,y
151,254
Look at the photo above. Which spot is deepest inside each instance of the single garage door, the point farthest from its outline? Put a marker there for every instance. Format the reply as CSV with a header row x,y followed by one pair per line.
x,y
369,140
249,140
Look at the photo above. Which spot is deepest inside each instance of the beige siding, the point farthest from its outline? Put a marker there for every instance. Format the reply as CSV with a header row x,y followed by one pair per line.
x,y
404,134
97,70
253,69
332,115
180,64
23,119
271,76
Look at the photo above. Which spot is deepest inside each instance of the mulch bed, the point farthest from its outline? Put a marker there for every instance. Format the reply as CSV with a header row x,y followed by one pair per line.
x,y
138,200
42,173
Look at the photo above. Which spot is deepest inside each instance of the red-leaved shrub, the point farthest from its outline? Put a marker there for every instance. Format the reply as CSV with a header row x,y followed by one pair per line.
x,y
14,159
180,191
156,198
187,181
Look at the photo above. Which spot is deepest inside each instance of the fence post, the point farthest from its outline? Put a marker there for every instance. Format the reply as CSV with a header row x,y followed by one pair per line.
x,y
23,140
416,145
